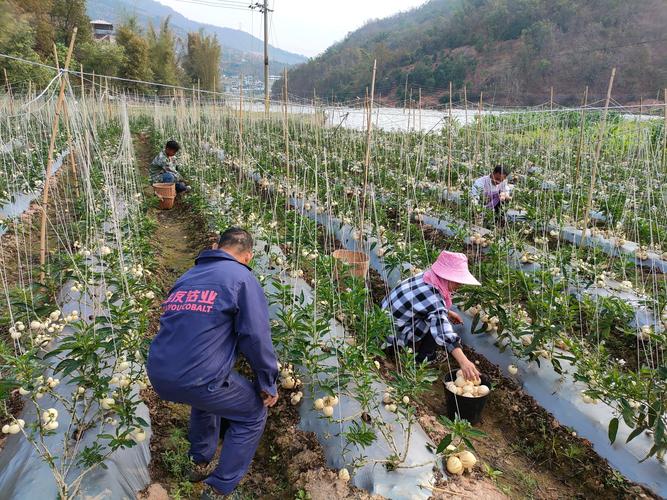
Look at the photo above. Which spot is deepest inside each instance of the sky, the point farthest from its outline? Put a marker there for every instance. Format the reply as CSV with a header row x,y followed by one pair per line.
x,y
306,27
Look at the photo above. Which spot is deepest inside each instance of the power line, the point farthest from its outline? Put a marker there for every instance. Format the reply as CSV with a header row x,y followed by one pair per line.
x,y
221,4
294,100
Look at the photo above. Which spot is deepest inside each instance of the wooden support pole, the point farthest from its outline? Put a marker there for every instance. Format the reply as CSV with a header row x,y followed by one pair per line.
x,y
478,139
49,164
286,130
265,11
241,124
420,109
367,159
465,106
596,158
365,123
9,93
106,92
83,87
70,147
405,93
581,137
664,138
410,110
449,143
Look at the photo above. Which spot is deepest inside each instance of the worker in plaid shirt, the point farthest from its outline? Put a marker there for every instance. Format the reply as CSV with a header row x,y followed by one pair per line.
x,y
421,309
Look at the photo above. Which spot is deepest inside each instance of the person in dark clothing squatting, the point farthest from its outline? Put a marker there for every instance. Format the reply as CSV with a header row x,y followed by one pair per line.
x,y
164,167
215,310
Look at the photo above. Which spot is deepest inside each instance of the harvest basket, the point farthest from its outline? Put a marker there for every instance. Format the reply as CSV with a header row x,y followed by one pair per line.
x,y
166,192
356,263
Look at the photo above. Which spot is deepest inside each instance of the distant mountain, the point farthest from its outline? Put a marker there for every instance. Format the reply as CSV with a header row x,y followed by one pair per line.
x,y
513,51
240,49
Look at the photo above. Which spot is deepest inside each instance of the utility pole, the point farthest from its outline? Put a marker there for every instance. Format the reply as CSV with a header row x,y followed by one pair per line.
x,y
264,9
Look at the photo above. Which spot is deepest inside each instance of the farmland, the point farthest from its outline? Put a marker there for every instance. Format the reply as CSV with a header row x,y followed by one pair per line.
x,y
569,323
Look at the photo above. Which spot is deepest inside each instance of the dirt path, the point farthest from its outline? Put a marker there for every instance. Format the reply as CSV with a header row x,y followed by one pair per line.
x,y
289,463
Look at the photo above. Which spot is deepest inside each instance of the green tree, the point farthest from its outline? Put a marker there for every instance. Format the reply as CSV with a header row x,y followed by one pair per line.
x,y
162,50
202,61
38,15
67,15
17,38
136,61
103,58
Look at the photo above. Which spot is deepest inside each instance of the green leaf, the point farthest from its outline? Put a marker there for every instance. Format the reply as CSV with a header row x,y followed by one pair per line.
x,y
468,443
444,443
613,430
651,452
635,433
476,433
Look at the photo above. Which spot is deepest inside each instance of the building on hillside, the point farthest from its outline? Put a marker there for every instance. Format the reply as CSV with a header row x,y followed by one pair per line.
x,y
102,30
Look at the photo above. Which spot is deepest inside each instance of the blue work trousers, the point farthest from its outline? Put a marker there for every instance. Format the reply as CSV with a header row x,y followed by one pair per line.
x,y
170,178
237,401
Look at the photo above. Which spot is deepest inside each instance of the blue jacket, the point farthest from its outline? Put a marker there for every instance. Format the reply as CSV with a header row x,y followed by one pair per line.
x,y
214,310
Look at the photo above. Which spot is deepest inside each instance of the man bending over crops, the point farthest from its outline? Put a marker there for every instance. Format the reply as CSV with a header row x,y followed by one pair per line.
x,y
164,167
494,190
216,309
421,309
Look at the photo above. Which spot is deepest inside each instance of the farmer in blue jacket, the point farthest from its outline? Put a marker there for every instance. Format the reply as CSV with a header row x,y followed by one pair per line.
x,y
214,311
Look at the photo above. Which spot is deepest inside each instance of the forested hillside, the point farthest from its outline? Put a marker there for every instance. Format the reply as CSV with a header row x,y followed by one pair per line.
x,y
238,46
30,30
512,50
150,44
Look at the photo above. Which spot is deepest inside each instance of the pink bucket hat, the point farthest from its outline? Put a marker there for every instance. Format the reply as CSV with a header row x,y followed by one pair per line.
x,y
454,267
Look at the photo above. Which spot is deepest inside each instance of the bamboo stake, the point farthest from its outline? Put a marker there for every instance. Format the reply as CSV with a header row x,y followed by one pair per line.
x,y
83,87
581,137
367,159
420,109
414,115
286,131
449,144
465,104
9,92
551,99
664,138
596,158
366,117
70,146
69,133
49,164
240,125
106,91
95,107
405,93
410,110
199,111
479,126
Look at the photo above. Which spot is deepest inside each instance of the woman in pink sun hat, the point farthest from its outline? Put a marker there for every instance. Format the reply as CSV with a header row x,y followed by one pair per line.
x,y
421,309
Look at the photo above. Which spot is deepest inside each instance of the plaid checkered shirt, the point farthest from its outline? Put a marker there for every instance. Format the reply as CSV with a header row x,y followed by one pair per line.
x,y
418,308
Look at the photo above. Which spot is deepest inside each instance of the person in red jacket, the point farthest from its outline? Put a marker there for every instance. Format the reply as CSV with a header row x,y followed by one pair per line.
x,y
214,311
